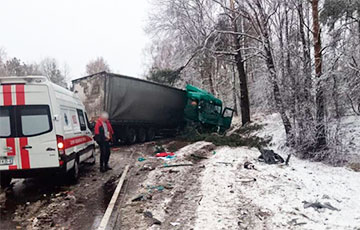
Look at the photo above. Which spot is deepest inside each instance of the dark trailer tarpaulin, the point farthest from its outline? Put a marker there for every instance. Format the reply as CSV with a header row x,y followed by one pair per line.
x,y
138,109
129,100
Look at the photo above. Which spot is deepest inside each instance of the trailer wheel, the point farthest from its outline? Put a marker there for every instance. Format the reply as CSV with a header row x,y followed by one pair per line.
x,y
130,136
141,135
5,181
116,140
150,134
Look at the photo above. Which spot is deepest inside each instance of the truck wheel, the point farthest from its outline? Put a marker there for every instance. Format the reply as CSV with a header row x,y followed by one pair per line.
x,y
116,140
5,181
74,172
141,135
130,136
150,134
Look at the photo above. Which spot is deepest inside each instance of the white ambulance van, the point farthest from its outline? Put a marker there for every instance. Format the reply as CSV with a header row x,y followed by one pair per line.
x,y
43,128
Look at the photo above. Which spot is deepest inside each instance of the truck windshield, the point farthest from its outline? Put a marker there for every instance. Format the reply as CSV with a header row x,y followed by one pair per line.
x,y
24,120
218,108
5,130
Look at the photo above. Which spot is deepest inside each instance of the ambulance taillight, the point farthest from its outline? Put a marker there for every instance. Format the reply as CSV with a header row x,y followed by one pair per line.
x,y
60,144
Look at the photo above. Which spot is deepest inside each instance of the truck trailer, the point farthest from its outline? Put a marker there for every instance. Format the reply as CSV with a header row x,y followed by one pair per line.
x,y
138,109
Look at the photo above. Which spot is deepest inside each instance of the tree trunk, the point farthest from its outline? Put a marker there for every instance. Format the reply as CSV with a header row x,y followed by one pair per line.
x,y
244,98
273,76
320,99
277,95
234,91
289,73
304,98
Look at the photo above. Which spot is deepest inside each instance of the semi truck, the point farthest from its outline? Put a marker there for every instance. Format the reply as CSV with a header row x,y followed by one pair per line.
x,y
139,110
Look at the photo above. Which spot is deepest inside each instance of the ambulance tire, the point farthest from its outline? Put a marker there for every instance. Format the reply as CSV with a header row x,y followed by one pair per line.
x,y
74,172
141,135
130,136
5,181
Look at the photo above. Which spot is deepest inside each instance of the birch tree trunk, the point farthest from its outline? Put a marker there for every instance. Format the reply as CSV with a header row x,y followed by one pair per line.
x,y
262,21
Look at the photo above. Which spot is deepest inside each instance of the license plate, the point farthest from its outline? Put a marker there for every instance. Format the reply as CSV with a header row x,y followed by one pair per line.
x,y
6,161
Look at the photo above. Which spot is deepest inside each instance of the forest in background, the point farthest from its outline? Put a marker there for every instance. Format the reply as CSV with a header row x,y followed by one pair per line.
x,y
298,58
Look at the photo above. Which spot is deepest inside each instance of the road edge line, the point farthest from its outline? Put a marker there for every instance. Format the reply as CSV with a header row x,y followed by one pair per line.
x,y
111,205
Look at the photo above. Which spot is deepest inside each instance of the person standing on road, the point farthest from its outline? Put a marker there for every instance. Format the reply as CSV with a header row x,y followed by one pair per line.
x,y
103,135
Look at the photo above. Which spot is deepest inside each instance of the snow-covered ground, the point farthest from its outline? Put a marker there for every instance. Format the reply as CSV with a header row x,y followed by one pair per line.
x,y
278,193
348,136
219,193
276,199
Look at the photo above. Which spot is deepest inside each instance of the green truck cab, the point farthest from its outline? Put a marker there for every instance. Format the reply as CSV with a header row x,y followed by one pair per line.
x,y
204,108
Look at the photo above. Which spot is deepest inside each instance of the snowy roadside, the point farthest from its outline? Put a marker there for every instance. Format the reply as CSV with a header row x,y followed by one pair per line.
x,y
217,192
275,200
278,193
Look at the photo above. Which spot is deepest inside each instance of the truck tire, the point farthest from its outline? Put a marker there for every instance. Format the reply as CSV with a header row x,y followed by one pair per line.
x,y
115,140
141,135
150,134
130,136
5,181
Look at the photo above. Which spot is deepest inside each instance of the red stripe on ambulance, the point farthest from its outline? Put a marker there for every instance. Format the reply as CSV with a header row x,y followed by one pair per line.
x,y
10,142
20,94
7,95
25,159
24,153
71,142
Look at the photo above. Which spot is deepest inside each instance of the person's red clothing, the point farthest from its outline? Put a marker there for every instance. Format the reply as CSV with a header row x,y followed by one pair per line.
x,y
99,123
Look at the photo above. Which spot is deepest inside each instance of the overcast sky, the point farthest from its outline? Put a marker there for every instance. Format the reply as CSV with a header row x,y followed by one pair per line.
x,y
75,31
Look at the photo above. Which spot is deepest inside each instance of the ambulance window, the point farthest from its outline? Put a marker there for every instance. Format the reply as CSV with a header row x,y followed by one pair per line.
x,y
5,130
35,120
81,120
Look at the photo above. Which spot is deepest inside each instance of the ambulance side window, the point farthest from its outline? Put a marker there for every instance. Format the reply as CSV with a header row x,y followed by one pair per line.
x,y
81,120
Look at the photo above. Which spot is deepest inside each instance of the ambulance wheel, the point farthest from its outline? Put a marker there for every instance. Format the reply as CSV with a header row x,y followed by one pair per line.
x,y
141,135
74,172
130,136
93,157
5,181
150,134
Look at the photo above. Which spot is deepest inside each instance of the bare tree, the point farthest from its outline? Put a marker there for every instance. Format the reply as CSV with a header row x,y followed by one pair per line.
x,y
97,65
2,62
269,44
49,67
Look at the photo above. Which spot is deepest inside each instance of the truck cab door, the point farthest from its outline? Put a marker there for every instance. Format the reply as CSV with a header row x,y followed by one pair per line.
x,y
227,117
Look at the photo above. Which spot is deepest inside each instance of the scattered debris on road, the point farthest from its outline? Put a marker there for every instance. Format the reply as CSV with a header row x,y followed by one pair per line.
x,y
317,205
